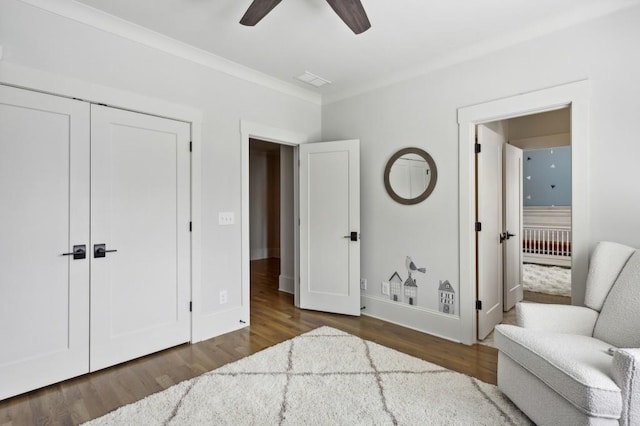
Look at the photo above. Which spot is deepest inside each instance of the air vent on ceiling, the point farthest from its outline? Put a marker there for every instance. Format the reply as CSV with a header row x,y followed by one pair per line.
x,y
312,79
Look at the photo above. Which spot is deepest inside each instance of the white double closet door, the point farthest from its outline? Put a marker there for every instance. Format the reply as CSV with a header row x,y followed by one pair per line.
x,y
74,174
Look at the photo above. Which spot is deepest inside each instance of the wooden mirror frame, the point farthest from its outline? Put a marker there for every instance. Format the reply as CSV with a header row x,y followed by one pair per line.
x,y
432,182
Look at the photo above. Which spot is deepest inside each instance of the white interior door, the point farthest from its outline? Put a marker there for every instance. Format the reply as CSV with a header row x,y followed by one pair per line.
x,y
512,226
329,216
489,253
44,212
140,207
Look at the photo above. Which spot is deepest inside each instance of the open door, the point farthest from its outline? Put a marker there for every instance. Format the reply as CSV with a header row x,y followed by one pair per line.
x,y
512,226
489,214
330,226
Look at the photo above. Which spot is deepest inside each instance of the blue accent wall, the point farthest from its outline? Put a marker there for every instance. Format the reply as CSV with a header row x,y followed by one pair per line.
x,y
547,176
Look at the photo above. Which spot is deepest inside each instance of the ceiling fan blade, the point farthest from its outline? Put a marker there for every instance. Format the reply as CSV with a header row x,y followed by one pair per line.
x,y
352,13
258,10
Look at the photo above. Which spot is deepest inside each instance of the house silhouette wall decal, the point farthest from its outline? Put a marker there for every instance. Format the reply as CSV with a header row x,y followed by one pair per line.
x,y
447,296
395,287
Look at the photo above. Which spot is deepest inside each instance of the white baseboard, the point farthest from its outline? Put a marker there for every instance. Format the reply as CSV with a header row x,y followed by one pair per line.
x,y
285,284
264,253
416,318
207,326
259,253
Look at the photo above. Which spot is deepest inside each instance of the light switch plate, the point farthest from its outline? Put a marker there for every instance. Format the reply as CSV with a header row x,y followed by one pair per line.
x,y
385,288
226,218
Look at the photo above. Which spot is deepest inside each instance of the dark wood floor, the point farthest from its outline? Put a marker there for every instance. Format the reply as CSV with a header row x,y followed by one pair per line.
x,y
531,296
273,320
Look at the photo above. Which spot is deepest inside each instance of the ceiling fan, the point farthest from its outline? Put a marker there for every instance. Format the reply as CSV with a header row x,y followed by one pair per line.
x,y
350,11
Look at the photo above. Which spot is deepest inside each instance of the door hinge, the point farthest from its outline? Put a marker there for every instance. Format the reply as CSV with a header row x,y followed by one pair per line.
x,y
190,306
478,305
190,146
190,226
478,148
478,226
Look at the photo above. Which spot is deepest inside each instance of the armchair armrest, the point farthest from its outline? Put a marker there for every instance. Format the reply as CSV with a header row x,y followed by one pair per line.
x,y
556,318
626,374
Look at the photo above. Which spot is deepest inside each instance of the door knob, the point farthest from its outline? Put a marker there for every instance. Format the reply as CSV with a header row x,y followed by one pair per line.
x,y
100,250
79,252
503,236
353,236
509,235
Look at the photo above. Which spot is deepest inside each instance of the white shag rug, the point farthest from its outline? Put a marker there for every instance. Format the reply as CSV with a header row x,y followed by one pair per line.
x,y
324,377
546,279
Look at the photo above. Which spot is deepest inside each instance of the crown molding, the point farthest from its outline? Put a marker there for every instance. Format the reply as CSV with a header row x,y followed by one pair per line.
x,y
103,21
485,47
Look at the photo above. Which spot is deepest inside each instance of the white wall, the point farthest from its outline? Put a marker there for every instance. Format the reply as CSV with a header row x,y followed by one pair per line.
x,y
264,201
39,40
422,112
542,124
543,130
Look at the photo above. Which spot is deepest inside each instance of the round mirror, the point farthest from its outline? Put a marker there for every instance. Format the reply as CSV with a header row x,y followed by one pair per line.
x,y
410,176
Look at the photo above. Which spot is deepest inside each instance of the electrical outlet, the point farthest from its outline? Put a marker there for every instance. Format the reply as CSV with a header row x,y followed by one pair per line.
x,y
226,218
224,297
363,283
385,288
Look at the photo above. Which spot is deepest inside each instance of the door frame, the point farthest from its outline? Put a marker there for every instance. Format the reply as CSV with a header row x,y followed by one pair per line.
x,y
252,130
577,96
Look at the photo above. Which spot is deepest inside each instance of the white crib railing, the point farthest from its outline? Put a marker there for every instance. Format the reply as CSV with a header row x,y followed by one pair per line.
x,y
547,245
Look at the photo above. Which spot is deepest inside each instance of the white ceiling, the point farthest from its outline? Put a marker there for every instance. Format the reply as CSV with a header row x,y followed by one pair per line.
x,y
407,37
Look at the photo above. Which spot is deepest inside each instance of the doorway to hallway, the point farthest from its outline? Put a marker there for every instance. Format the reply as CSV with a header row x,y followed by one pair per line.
x,y
271,218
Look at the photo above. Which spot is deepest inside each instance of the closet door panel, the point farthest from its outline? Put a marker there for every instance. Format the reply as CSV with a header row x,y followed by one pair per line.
x,y
140,207
44,212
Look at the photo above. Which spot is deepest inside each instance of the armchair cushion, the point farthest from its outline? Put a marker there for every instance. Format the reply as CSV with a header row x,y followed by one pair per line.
x,y
576,367
607,260
618,321
626,373
556,318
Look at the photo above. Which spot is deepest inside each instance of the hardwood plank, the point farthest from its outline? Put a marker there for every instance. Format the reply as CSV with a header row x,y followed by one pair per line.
x,y
274,319
532,296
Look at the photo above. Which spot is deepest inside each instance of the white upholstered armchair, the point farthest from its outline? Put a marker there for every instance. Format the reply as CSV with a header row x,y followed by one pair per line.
x,y
573,365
